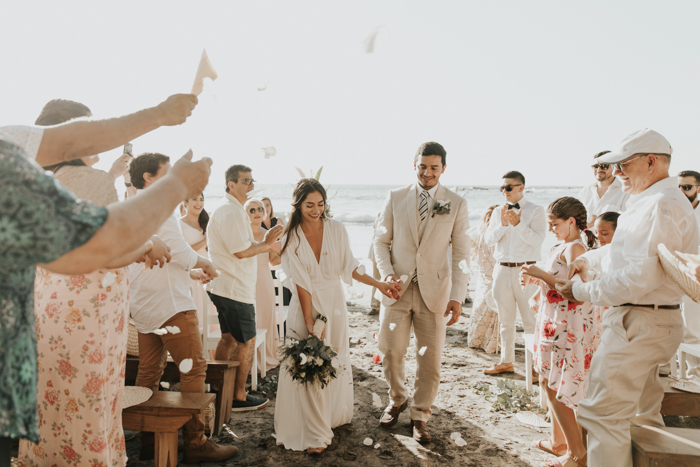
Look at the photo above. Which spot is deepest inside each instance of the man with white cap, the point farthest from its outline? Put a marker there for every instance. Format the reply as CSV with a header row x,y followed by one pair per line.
x,y
605,194
643,326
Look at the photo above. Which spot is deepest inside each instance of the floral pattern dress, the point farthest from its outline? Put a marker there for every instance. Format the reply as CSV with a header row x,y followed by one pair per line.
x,y
564,337
483,325
40,220
81,350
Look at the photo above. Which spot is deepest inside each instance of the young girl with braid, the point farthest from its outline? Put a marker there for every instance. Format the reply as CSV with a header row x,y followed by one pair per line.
x,y
564,333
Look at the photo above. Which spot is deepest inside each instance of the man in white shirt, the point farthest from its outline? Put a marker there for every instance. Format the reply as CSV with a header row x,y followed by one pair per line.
x,y
689,183
160,299
516,231
233,249
605,194
643,326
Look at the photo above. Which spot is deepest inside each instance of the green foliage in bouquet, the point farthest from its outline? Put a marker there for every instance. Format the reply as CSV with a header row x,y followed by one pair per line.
x,y
309,361
510,396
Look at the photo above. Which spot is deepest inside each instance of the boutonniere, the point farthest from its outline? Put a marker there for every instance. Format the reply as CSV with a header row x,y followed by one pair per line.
x,y
441,207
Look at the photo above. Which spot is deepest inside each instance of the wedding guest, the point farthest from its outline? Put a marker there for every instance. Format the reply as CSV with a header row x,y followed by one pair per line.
x,y
565,332
264,289
316,256
160,299
689,183
233,248
515,232
84,342
482,332
194,229
643,326
68,236
416,226
605,194
604,227
270,220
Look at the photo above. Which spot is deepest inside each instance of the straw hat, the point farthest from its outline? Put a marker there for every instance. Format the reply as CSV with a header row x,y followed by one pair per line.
x,y
96,186
673,269
135,395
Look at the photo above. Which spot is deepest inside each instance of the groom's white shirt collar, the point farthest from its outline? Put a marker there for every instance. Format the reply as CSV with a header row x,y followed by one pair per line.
x,y
431,192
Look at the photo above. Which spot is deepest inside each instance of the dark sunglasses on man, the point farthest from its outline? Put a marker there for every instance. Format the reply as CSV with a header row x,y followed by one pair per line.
x,y
509,188
247,181
686,187
600,166
253,210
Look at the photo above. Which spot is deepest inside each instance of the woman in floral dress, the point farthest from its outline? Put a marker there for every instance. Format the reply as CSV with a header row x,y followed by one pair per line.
x,y
483,325
565,333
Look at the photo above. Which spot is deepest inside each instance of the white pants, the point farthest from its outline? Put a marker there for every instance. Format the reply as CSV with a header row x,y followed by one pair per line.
x,y
624,386
510,297
691,333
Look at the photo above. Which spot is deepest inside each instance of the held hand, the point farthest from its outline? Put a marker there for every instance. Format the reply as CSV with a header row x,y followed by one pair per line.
x,y
120,166
504,215
390,289
175,109
525,280
531,270
454,307
159,254
276,248
578,266
566,290
272,235
392,279
209,271
194,176
534,303
198,275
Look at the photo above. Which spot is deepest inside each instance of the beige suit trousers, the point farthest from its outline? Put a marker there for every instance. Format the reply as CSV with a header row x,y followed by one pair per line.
x,y
429,329
624,386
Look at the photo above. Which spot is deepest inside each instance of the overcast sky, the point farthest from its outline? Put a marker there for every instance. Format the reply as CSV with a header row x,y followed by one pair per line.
x,y
533,86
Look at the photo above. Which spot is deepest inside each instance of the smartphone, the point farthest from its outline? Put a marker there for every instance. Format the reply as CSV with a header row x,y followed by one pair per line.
x,y
128,147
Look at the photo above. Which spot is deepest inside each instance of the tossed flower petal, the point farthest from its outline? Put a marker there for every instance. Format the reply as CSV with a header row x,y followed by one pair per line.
x,y
361,269
186,365
392,326
422,350
368,441
173,329
108,279
160,332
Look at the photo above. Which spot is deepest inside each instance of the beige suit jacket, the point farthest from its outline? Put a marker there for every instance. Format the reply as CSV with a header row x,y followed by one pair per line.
x,y
398,251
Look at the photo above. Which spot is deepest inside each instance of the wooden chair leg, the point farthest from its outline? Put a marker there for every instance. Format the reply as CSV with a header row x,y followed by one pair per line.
x,y
263,366
166,450
254,371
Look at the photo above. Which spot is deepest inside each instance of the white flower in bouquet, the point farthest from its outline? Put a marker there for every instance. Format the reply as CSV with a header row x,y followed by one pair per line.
x,y
303,359
318,361
335,363
302,375
319,325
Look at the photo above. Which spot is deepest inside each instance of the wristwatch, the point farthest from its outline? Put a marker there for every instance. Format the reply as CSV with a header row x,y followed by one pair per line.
x,y
128,185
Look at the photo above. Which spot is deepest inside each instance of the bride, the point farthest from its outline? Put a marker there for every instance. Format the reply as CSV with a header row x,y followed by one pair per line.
x,y
316,255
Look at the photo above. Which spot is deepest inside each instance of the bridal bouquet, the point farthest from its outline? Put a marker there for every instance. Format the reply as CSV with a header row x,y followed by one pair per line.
x,y
310,360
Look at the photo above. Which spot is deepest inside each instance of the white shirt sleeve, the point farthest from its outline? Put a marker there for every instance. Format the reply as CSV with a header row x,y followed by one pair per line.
x,y
496,230
181,252
26,137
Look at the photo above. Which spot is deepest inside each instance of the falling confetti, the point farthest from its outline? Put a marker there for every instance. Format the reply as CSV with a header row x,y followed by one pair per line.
x,y
270,151
381,230
376,400
281,275
460,442
370,42
422,350
108,279
464,266
376,446
165,385
173,329
263,87
361,269
368,441
376,359
455,435
392,326
160,332
186,365
404,278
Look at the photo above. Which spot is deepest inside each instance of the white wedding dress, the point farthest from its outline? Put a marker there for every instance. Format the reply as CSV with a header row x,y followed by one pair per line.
x,y
305,415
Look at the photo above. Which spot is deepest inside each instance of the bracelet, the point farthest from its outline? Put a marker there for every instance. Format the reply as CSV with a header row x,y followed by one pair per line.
x,y
128,185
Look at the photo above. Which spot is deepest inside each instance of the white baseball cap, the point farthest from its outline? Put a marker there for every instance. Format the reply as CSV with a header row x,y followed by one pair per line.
x,y
644,141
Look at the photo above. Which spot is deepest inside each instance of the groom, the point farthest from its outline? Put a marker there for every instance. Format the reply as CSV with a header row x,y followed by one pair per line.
x,y
413,236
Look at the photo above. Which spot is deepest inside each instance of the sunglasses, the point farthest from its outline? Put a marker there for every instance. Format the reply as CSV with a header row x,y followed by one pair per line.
x,y
686,187
254,210
509,188
618,166
600,166
247,181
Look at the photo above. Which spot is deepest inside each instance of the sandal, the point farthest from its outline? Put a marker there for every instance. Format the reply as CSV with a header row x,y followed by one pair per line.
x,y
556,450
315,451
583,462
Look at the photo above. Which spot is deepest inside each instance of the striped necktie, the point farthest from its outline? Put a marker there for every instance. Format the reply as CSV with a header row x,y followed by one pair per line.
x,y
423,212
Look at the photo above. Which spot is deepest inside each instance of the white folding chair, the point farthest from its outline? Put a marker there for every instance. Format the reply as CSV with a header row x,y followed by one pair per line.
x,y
683,351
281,310
210,339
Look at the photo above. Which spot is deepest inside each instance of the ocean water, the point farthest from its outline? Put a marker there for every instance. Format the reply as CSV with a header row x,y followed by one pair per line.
x,y
357,206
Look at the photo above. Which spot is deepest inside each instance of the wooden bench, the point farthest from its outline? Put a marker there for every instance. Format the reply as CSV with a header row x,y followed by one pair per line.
x,y
680,403
164,414
668,447
221,376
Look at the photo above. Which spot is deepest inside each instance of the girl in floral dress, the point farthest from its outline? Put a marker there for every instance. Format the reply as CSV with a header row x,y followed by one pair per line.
x,y
565,333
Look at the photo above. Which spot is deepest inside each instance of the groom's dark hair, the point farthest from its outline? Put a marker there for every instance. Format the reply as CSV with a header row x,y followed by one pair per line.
x,y
431,148
515,175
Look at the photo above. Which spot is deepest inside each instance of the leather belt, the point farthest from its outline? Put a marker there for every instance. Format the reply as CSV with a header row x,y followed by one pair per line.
x,y
516,265
660,307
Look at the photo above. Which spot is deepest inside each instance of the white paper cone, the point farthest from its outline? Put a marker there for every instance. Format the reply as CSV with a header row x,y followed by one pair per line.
x,y
205,70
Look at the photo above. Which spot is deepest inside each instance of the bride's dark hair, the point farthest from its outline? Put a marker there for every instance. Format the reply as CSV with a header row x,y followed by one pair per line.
x,y
304,188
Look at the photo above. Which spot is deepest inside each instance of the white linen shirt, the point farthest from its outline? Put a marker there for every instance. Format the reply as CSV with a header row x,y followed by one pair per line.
x,y
26,137
614,199
520,243
158,294
630,268
229,232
